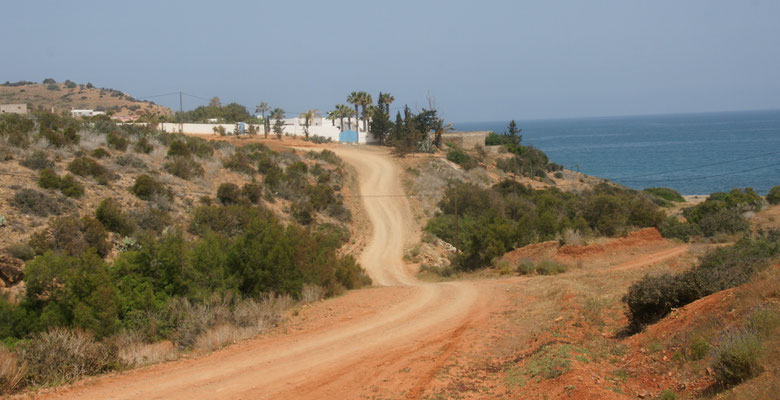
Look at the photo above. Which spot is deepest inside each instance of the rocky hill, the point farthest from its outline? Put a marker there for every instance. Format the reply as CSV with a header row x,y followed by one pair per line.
x,y
63,96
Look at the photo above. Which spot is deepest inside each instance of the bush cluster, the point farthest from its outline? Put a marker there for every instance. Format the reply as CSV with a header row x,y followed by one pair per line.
x,y
67,184
495,220
37,160
87,166
239,162
72,236
653,297
664,196
115,140
720,213
110,214
773,197
458,156
31,201
146,187
184,167
100,153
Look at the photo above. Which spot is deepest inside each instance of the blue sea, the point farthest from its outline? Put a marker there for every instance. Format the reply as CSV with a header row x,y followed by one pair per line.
x,y
691,153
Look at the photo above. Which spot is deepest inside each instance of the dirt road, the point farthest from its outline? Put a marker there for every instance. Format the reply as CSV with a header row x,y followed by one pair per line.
x,y
388,339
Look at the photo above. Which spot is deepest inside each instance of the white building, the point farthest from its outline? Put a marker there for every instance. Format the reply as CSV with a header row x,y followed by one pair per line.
x,y
13,108
86,113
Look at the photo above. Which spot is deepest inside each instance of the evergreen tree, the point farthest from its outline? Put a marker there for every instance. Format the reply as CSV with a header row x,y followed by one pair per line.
x,y
380,124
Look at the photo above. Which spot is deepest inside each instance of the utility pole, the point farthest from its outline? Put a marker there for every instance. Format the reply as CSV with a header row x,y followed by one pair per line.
x,y
181,114
457,230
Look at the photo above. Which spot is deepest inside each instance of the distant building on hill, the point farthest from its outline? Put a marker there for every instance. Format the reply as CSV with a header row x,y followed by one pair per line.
x,y
13,108
466,140
86,113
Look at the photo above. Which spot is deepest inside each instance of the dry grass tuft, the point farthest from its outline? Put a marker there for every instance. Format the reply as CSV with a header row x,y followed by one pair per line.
x,y
12,371
311,293
139,354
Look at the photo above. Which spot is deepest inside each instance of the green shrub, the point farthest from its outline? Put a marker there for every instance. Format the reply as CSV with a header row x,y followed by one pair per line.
x,y
325,155
229,193
669,195
128,160
116,141
178,148
253,192
31,201
458,156
774,195
22,251
549,267
152,219
239,162
672,228
109,212
72,236
737,358
37,160
70,187
653,297
526,267
86,166
229,220
728,221
146,187
143,146
698,348
184,167
667,394
199,147
302,212
49,179
100,153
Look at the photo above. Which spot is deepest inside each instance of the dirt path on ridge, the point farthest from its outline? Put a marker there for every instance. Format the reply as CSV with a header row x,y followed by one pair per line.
x,y
388,339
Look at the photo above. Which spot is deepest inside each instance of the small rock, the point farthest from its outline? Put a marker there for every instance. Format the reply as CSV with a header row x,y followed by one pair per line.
x,y
709,371
643,395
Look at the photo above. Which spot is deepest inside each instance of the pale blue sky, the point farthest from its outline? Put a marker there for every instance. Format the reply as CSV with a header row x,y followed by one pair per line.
x,y
481,60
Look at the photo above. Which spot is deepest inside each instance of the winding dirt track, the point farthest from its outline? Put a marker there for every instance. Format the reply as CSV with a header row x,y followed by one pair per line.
x,y
386,340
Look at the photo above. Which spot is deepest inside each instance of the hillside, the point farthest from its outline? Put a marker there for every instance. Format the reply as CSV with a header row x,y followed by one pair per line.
x,y
63,96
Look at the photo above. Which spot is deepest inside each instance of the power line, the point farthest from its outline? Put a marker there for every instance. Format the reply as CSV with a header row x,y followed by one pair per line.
x,y
706,177
697,166
158,95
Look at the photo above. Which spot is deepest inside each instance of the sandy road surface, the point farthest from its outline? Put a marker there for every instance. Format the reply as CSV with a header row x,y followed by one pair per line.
x,y
343,348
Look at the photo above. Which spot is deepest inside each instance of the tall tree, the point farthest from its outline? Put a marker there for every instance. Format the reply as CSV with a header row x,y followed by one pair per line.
x,y
261,109
385,99
278,115
354,99
380,124
308,116
215,102
514,132
365,101
341,112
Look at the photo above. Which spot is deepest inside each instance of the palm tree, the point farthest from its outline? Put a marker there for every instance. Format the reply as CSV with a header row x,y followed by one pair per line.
x,y
365,101
341,113
263,108
278,115
349,113
332,117
308,116
354,99
386,99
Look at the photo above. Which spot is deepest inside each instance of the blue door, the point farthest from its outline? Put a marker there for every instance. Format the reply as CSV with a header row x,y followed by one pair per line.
x,y
348,137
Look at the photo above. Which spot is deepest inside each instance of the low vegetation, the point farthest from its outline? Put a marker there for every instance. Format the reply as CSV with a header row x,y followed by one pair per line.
x,y
495,220
113,282
721,213
654,296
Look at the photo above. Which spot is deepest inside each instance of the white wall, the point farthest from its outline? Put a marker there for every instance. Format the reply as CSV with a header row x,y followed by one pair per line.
x,y
325,130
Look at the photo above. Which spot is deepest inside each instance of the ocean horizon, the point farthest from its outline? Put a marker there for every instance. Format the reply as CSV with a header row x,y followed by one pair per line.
x,y
693,153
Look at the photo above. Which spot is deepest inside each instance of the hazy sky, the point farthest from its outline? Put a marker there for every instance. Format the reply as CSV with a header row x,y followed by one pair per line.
x,y
480,60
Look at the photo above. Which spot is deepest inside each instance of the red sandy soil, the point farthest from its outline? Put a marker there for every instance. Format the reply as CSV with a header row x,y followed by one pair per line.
x,y
410,340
